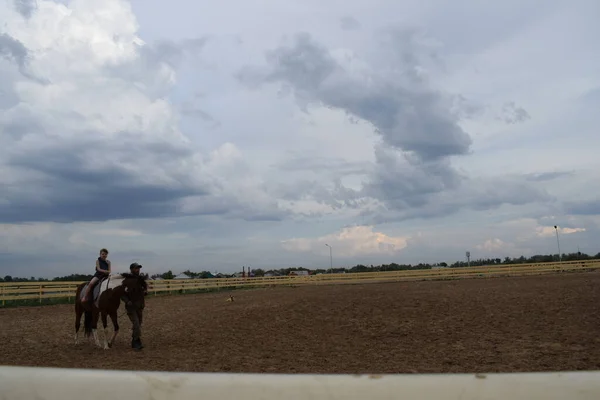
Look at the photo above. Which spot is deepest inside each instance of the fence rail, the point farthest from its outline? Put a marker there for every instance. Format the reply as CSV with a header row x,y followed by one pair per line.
x,y
16,291
59,383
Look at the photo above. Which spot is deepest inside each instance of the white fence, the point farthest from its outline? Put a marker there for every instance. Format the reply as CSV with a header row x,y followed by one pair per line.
x,y
23,383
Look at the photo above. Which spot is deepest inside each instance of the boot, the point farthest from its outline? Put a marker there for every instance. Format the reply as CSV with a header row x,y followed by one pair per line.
x,y
136,344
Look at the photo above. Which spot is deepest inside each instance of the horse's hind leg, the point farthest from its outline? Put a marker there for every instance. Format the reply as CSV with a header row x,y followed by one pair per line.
x,y
78,314
95,328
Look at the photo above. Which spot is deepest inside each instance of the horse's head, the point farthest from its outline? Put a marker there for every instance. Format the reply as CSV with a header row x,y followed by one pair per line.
x,y
135,285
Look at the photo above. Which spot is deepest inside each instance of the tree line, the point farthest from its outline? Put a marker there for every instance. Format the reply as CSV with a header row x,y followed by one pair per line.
x,y
539,258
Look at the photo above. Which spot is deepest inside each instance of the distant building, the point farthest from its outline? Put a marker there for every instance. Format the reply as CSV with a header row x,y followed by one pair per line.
x,y
182,276
299,273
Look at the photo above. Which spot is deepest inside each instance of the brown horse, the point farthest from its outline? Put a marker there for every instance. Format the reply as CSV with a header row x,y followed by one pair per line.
x,y
104,300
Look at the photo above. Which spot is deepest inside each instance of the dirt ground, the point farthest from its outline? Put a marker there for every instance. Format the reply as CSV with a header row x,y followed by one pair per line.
x,y
540,323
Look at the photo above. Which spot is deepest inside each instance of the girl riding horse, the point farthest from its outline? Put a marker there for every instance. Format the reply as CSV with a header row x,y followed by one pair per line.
x,y
103,268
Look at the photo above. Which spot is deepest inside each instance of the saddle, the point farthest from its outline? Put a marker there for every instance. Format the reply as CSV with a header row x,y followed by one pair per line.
x,y
100,287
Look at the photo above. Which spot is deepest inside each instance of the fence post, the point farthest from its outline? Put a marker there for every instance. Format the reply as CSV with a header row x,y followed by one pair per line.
x,y
41,292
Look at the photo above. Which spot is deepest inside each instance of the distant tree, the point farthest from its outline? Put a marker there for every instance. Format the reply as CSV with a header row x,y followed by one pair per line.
x,y
538,258
73,277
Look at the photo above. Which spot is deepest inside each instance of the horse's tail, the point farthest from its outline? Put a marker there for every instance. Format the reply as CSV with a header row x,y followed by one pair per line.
x,y
78,292
87,323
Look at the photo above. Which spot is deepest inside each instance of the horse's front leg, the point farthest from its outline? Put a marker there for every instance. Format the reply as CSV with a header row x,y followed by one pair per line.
x,y
104,325
115,321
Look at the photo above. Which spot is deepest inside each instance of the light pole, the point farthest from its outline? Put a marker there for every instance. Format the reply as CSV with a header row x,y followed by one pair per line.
x,y
558,243
330,258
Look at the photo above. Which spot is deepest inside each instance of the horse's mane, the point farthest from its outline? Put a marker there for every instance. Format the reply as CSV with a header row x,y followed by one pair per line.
x,y
141,278
127,275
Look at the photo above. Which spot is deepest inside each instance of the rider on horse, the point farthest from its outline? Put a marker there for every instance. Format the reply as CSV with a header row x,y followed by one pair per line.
x,y
102,271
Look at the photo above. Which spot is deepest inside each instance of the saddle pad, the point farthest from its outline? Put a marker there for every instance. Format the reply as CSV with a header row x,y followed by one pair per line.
x,y
109,282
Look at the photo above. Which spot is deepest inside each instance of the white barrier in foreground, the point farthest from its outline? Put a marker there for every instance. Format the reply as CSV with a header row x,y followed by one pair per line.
x,y
24,383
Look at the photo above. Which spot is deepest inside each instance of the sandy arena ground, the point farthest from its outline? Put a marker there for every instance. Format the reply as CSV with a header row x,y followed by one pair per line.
x,y
541,323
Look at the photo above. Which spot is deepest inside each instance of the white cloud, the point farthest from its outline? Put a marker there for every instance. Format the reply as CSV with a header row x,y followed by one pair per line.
x,y
349,242
499,248
545,231
492,245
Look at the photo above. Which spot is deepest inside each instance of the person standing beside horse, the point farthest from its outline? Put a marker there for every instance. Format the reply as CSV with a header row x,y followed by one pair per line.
x,y
135,309
103,268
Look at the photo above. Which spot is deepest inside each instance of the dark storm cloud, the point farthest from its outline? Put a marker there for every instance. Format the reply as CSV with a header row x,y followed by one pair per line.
x,y
51,170
73,188
475,195
591,207
414,121
336,195
404,181
409,117
12,49
418,125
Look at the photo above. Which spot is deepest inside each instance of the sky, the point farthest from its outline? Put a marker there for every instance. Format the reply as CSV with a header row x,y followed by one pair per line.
x,y
214,135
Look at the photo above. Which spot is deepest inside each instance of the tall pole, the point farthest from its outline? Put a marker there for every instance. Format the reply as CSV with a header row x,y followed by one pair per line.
x,y
330,258
558,243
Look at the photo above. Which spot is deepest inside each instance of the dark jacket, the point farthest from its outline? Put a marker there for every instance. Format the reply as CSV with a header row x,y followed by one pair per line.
x,y
135,305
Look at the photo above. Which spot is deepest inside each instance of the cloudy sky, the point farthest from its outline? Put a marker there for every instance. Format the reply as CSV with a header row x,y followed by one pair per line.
x,y
185,134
